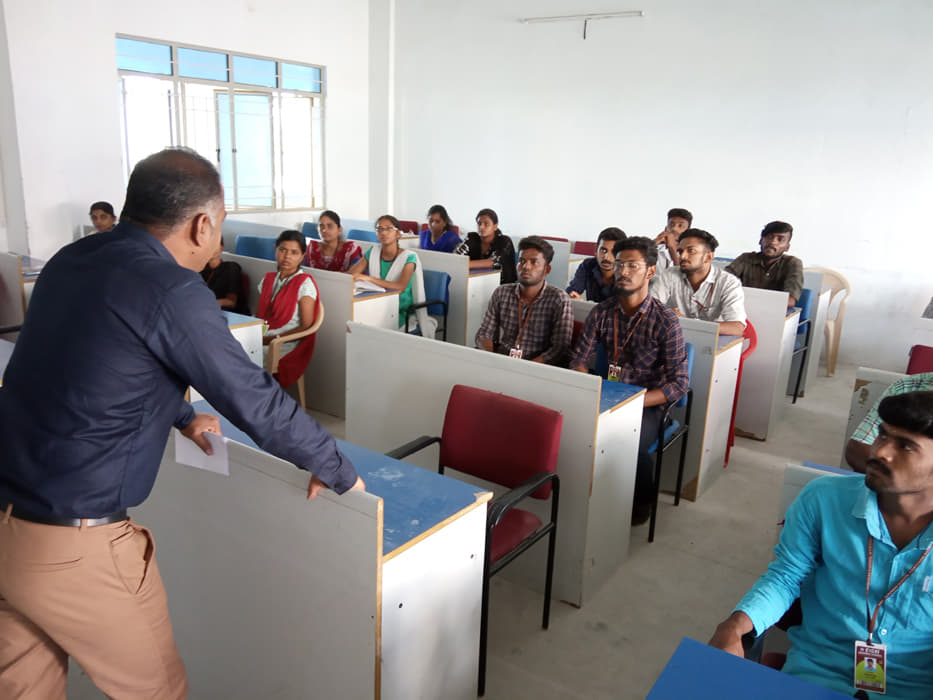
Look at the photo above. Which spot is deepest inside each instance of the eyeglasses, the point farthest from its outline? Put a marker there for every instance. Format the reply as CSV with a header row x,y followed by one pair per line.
x,y
385,229
630,265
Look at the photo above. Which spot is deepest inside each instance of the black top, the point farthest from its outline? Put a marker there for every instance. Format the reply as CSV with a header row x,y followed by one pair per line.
x,y
589,278
501,251
227,278
115,333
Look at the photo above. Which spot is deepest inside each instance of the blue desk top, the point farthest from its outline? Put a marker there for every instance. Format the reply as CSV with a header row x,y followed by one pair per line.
x,y
700,672
613,393
240,319
414,499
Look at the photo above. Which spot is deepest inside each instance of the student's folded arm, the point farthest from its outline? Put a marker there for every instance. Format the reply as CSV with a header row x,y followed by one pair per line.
x,y
586,344
793,282
489,328
733,308
578,283
561,335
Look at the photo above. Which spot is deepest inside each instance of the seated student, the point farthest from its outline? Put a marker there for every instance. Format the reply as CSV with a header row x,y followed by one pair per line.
x,y
841,536
225,279
489,247
771,268
440,235
529,319
698,289
391,267
645,346
678,221
595,276
288,302
332,252
858,448
102,216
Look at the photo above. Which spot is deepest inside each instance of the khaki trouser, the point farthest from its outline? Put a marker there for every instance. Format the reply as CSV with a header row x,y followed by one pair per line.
x,y
92,593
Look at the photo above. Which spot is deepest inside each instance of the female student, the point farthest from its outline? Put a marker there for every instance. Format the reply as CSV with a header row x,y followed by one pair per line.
x,y
102,216
390,267
332,252
288,302
225,279
489,247
440,235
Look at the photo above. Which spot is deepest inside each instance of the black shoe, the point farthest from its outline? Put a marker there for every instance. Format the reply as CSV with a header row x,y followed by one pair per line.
x,y
641,513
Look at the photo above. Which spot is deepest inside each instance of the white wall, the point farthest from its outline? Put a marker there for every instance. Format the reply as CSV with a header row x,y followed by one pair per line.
x,y
820,114
64,92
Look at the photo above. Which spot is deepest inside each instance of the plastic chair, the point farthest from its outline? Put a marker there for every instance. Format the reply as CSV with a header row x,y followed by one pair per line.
x,y
920,359
584,248
669,432
309,230
262,247
802,341
752,337
358,234
275,349
480,438
437,298
842,290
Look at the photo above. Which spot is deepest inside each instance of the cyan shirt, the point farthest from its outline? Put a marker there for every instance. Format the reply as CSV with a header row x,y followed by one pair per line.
x,y
822,558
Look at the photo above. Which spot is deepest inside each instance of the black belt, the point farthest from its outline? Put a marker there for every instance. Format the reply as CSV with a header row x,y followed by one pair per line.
x,y
64,522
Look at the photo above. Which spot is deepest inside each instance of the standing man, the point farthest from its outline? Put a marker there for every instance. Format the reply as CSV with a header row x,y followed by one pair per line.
x,y
119,325
529,319
645,346
678,221
595,277
699,289
856,551
771,268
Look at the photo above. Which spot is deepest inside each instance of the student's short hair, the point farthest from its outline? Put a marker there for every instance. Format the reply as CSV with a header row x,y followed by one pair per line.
x,y
442,212
679,213
645,246
332,215
105,207
912,412
778,227
611,234
537,243
490,213
391,219
292,235
709,240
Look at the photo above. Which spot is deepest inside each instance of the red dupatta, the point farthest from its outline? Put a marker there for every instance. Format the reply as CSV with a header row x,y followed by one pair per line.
x,y
279,311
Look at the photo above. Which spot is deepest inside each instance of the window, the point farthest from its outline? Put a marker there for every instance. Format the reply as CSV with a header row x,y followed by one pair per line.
x,y
259,119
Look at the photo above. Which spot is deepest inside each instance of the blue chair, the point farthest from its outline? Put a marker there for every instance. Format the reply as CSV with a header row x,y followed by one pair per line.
x,y
358,234
309,229
669,432
437,296
802,341
261,247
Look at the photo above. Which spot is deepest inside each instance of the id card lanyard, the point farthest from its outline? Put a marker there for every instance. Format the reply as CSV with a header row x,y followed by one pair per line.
x,y
517,350
872,617
615,367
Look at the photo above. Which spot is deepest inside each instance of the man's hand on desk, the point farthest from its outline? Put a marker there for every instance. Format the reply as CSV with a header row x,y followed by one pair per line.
x,y
729,632
315,486
202,423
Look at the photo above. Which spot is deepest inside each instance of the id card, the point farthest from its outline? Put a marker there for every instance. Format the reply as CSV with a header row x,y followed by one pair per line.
x,y
515,352
870,664
615,371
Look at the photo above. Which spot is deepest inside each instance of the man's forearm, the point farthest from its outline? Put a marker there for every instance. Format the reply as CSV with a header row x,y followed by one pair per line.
x,y
729,633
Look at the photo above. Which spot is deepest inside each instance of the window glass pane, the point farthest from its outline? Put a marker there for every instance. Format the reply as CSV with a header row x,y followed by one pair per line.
x,y
252,132
225,147
144,56
253,71
304,78
317,153
148,105
207,65
199,119
296,151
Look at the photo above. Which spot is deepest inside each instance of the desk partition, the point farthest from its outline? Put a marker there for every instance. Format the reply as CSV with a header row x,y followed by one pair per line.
x,y
12,290
480,286
599,441
819,312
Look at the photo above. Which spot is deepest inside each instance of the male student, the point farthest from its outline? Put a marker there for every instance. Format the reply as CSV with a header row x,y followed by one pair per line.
x,y
645,347
772,268
529,319
595,277
698,289
678,221
855,551
119,325
858,448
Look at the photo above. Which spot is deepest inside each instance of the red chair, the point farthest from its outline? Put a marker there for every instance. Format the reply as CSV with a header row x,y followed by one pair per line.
x,y
555,238
512,443
921,359
409,227
584,248
752,337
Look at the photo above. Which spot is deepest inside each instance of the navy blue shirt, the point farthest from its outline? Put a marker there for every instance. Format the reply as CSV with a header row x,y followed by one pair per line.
x,y
589,278
115,332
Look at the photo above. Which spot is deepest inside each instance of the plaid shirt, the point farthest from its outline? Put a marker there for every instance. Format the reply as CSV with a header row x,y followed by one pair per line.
x,y
867,431
785,275
548,326
654,356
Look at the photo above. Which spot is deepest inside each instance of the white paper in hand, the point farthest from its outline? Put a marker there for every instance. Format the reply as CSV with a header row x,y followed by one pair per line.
x,y
188,453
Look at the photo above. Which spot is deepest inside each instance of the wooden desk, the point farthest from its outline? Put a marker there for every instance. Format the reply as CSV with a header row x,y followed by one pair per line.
x,y
700,672
596,462
365,595
764,377
480,286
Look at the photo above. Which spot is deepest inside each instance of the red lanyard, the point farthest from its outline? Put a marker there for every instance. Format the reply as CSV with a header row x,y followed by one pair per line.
x,y
521,322
872,618
615,336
